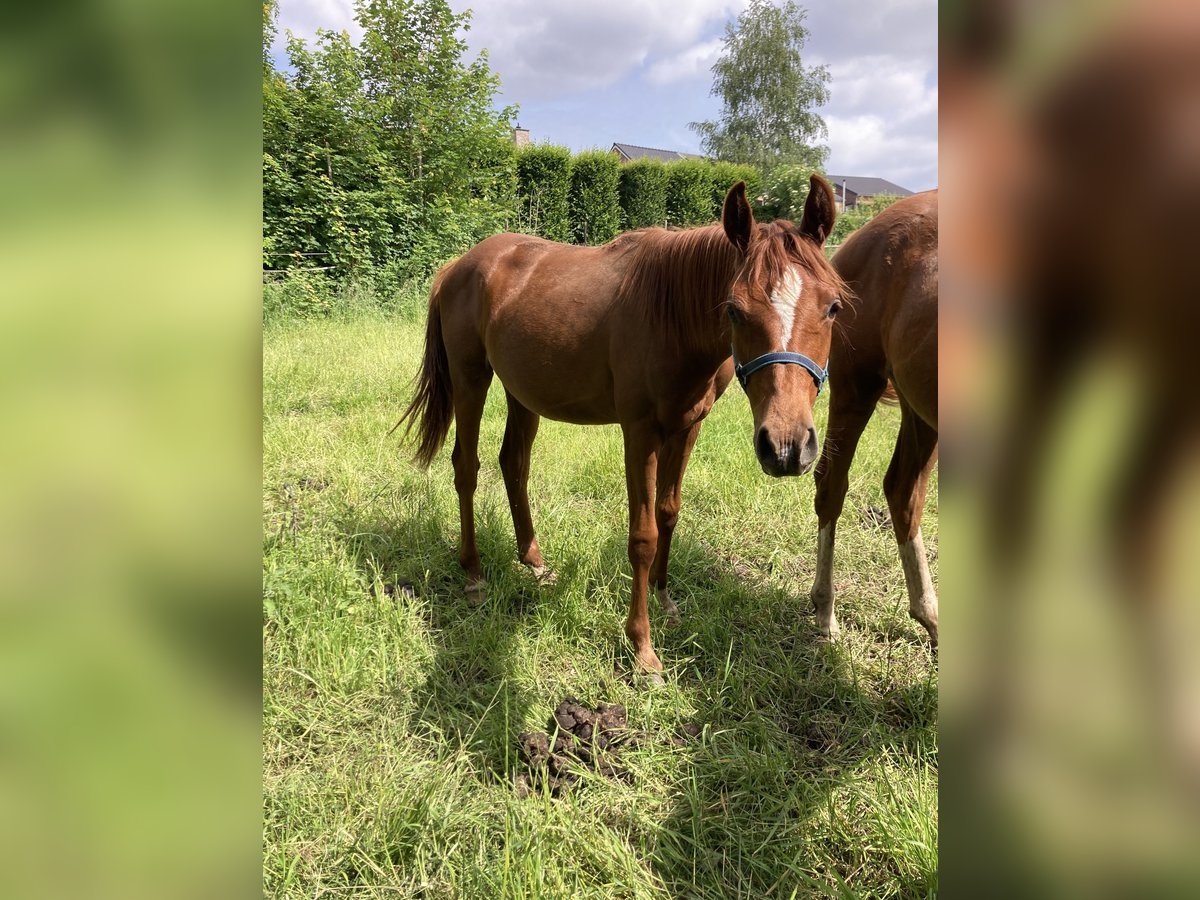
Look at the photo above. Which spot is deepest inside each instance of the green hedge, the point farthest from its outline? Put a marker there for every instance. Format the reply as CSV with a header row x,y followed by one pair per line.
x,y
724,175
544,183
592,197
689,193
643,191
595,199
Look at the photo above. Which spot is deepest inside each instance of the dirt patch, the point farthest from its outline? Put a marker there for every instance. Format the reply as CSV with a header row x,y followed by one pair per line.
x,y
581,739
577,739
876,517
686,733
395,590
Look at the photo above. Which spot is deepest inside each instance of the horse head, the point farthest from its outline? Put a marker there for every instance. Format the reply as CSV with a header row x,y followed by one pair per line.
x,y
781,308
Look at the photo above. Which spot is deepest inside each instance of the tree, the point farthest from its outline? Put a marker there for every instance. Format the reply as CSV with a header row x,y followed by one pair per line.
x,y
389,151
768,95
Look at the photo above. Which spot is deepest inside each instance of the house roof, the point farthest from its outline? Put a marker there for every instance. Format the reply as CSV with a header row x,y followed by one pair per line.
x,y
633,151
868,187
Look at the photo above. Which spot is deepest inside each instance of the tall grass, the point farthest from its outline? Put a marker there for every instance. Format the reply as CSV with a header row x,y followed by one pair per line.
x,y
390,719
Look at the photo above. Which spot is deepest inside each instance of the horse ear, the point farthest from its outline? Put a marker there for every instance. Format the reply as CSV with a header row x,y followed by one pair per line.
x,y
737,217
819,210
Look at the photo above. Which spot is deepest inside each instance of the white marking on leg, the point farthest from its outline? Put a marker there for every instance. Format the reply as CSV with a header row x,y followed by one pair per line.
x,y
922,598
822,589
784,298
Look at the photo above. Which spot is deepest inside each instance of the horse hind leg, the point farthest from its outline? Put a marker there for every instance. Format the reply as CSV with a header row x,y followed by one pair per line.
x,y
519,433
850,409
905,485
471,383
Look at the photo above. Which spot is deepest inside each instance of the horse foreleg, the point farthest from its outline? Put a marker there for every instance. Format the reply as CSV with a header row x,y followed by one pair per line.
x,y
905,484
641,464
672,462
519,433
849,413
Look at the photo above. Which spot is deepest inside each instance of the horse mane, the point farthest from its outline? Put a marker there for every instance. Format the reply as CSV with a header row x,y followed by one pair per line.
x,y
779,246
679,279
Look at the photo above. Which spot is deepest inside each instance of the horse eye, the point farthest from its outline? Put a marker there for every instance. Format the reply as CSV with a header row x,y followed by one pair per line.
x,y
735,314
835,308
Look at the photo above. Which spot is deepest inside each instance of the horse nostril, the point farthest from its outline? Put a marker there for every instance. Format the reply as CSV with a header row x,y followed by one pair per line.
x,y
763,446
810,442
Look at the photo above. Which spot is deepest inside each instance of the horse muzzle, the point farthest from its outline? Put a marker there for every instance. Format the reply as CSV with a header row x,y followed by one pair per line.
x,y
793,455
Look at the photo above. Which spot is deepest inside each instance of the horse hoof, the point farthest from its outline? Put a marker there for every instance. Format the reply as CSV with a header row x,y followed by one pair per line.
x,y
476,591
544,575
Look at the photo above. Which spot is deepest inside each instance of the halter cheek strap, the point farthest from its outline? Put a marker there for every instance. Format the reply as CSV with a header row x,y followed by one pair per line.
x,y
744,371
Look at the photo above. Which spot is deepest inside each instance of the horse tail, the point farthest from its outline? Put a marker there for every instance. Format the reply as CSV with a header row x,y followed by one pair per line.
x,y
432,406
889,396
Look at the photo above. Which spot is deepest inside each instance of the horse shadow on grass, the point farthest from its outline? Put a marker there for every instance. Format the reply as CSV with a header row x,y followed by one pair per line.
x,y
472,696
788,720
795,733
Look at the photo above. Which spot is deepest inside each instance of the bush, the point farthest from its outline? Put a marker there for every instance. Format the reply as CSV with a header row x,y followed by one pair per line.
x,y
689,193
724,175
544,183
303,294
852,219
643,193
785,191
595,202
308,294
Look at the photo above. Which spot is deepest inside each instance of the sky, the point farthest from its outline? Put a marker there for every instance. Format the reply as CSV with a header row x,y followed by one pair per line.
x,y
587,74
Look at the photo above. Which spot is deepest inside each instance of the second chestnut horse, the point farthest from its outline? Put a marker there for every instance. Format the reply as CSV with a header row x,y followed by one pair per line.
x,y
891,266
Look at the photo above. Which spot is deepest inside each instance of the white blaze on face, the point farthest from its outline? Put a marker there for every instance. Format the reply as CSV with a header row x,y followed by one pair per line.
x,y
784,299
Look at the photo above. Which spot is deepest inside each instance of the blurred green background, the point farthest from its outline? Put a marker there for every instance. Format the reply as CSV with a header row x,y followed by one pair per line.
x,y
130,379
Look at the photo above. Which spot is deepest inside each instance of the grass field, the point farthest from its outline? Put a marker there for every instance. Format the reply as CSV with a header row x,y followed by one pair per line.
x,y
390,720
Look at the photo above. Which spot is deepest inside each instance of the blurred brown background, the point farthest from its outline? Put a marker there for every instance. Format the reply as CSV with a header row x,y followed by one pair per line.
x,y
1070,150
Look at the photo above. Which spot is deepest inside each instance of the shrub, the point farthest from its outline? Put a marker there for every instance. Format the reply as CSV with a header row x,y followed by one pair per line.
x,y
723,175
689,193
855,218
595,197
784,193
643,192
303,294
544,182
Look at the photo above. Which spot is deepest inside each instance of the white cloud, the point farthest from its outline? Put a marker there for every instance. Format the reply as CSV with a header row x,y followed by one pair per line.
x,y
547,50
304,17
844,29
694,62
882,57
884,83
869,145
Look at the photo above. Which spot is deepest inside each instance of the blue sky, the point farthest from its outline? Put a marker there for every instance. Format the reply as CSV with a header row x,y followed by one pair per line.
x,y
587,73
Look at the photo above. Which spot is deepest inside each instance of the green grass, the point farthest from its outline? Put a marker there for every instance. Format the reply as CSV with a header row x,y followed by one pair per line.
x,y
390,724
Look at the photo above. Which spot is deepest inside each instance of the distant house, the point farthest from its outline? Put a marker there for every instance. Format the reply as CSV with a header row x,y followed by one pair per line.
x,y
629,152
850,190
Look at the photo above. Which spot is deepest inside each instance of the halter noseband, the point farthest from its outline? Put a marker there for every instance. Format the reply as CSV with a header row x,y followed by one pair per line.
x,y
744,371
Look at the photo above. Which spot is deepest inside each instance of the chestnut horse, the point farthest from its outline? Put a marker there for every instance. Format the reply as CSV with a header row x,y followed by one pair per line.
x,y
638,332
891,266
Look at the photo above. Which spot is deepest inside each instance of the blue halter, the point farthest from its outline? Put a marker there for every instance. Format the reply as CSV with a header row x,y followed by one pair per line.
x,y
744,372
